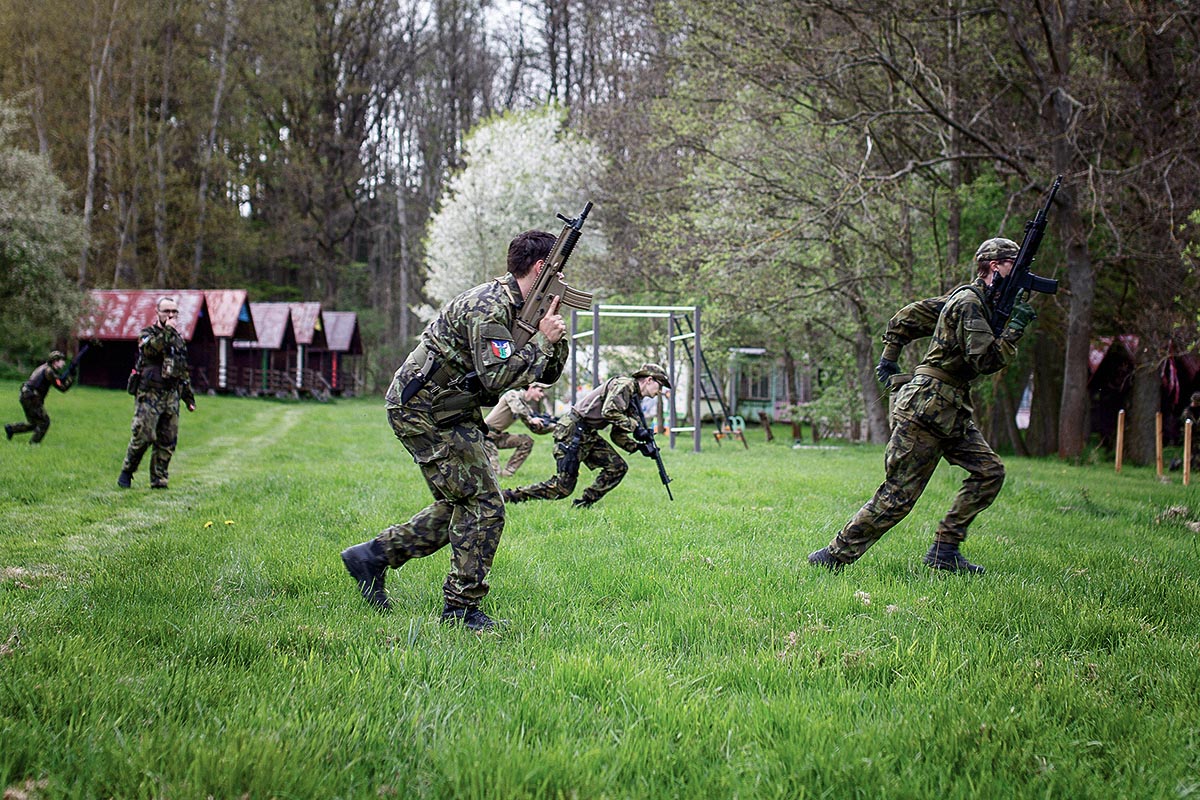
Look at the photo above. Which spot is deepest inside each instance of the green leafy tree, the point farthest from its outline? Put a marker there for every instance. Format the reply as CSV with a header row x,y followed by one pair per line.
x,y
39,239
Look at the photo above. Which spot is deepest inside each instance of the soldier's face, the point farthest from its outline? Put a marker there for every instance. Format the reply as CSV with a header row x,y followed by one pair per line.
x,y
1004,267
650,387
534,394
168,314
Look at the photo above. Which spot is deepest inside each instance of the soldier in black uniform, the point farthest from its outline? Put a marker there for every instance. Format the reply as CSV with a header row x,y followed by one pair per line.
x,y
33,397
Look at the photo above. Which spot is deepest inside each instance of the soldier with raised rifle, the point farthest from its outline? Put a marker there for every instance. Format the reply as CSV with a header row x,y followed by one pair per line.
x,y
932,413
503,334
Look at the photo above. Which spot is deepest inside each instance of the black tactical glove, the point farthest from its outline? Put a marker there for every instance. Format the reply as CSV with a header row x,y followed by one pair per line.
x,y
1022,315
643,434
885,369
647,449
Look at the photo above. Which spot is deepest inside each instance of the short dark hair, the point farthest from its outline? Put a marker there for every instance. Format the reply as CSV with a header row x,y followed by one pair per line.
x,y
526,249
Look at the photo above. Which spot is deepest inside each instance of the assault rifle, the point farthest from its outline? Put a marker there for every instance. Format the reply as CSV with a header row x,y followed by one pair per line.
x,y
1021,279
550,283
652,450
74,365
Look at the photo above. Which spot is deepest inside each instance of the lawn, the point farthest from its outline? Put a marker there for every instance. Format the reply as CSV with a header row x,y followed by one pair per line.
x,y
206,641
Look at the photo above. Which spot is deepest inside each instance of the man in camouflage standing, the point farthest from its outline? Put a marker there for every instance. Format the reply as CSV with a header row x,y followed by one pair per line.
x,y
465,359
577,439
33,397
513,405
162,381
932,413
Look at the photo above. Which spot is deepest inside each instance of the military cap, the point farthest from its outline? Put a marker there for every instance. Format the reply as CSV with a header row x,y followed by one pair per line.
x,y
653,371
56,355
997,249
539,385
1196,398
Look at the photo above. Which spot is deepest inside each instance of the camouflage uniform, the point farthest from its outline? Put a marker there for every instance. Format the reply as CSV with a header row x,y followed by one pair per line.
x,y
933,419
164,380
1191,414
33,400
509,408
442,427
577,439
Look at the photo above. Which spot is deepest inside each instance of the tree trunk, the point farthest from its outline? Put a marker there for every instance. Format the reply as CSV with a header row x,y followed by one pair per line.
x,y
96,74
210,142
1145,402
161,246
1073,419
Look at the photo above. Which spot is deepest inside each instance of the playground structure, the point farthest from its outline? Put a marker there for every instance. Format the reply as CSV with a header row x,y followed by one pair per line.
x,y
683,326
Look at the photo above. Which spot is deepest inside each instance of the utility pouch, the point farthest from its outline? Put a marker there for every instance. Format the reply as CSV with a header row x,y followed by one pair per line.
x,y
134,381
449,407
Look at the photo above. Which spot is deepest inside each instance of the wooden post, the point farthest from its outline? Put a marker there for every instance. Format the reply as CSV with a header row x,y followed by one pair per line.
x,y
765,421
1120,437
1187,452
1158,442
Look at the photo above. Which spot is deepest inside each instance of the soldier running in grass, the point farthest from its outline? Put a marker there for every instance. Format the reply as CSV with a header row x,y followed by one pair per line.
x,y
513,405
577,438
33,397
465,359
933,414
162,381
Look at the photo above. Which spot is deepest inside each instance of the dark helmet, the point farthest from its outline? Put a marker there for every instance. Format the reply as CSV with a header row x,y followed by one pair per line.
x,y
56,355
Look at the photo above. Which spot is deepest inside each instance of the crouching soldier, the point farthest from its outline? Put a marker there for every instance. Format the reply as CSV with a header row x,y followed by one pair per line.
x,y
577,438
513,405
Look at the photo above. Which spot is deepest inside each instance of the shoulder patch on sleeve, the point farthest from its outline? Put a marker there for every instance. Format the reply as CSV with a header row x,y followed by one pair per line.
x,y
496,342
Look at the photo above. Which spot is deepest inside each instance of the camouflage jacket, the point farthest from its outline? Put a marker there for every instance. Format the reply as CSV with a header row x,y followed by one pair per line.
x,y
163,362
963,347
614,402
40,381
472,335
511,407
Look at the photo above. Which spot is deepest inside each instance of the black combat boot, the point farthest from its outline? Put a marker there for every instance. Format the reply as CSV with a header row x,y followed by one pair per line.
x,y
824,558
943,555
471,618
510,496
582,502
8,431
367,564
125,479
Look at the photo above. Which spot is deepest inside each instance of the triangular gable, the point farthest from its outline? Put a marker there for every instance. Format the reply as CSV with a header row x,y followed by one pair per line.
x,y
1102,345
230,314
121,315
306,321
273,324
341,332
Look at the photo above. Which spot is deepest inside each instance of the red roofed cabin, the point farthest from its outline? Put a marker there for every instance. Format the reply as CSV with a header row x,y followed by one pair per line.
x,y
263,365
339,362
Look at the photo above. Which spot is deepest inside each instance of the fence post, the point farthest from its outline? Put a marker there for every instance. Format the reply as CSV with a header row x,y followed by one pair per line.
x,y
1120,437
1158,442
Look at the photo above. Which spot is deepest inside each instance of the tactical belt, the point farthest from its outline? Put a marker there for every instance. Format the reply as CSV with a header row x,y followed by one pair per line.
x,y
941,375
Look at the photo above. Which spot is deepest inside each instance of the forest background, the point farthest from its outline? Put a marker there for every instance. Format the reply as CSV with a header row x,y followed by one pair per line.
x,y
801,169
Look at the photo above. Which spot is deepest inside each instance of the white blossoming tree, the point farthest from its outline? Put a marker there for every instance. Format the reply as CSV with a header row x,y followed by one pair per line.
x,y
520,170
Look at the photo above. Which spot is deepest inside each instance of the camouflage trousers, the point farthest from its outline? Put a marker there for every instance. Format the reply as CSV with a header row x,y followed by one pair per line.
x,y
520,443
912,455
573,444
155,425
37,420
467,511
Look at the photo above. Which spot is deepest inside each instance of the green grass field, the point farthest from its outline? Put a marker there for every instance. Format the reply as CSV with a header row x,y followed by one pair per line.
x,y
653,650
